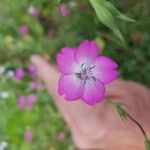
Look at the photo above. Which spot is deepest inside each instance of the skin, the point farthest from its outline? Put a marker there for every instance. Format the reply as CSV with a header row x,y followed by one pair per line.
x,y
100,127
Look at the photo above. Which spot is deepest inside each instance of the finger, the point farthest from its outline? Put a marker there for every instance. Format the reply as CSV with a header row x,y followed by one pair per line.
x,y
47,72
130,93
116,89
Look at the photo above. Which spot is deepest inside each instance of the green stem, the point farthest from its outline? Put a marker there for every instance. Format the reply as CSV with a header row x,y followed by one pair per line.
x,y
139,125
131,118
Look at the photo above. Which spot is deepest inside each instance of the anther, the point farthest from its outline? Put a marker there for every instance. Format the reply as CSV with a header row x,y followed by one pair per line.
x,y
82,65
79,75
92,67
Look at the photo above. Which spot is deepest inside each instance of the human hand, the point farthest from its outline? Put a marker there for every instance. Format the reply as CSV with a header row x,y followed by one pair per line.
x,y
99,127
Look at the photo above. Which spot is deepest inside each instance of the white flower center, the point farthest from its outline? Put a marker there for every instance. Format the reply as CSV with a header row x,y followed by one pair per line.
x,y
85,73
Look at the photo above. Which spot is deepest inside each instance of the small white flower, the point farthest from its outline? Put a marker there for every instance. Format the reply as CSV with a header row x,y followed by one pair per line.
x,y
4,94
72,4
32,10
2,69
10,73
3,145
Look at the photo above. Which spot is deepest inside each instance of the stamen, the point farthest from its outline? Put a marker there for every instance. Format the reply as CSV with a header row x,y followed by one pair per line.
x,y
79,75
86,78
93,78
92,67
85,73
82,65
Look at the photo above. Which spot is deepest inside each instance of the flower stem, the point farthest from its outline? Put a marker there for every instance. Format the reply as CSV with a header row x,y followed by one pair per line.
x,y
139,125
126,114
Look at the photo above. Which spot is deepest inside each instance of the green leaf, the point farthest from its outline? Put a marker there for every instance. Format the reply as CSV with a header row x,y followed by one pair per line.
x,y
122,113
117,13
58,1
147,144
119,107
105,15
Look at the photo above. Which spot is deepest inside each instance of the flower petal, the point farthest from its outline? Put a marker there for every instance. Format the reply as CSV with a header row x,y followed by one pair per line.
x,y
86,52
66,61
106,76
93,92
104,62
71,87
104,69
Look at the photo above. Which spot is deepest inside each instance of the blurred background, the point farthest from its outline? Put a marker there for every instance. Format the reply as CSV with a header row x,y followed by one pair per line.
x,y
29,119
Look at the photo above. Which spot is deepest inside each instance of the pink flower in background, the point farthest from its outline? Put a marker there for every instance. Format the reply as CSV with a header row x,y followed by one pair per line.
x,y
23,29
33,11
32,69
31,100
22,101
36,85
61,136
64,10
19,74
27,102
28,136
85,74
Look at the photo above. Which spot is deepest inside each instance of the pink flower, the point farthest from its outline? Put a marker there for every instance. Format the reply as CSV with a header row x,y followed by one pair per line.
x,y
19,74
36,85
23,29
85,74
32,69
22,101
28,136
61,136
64,10
31,100
27,102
